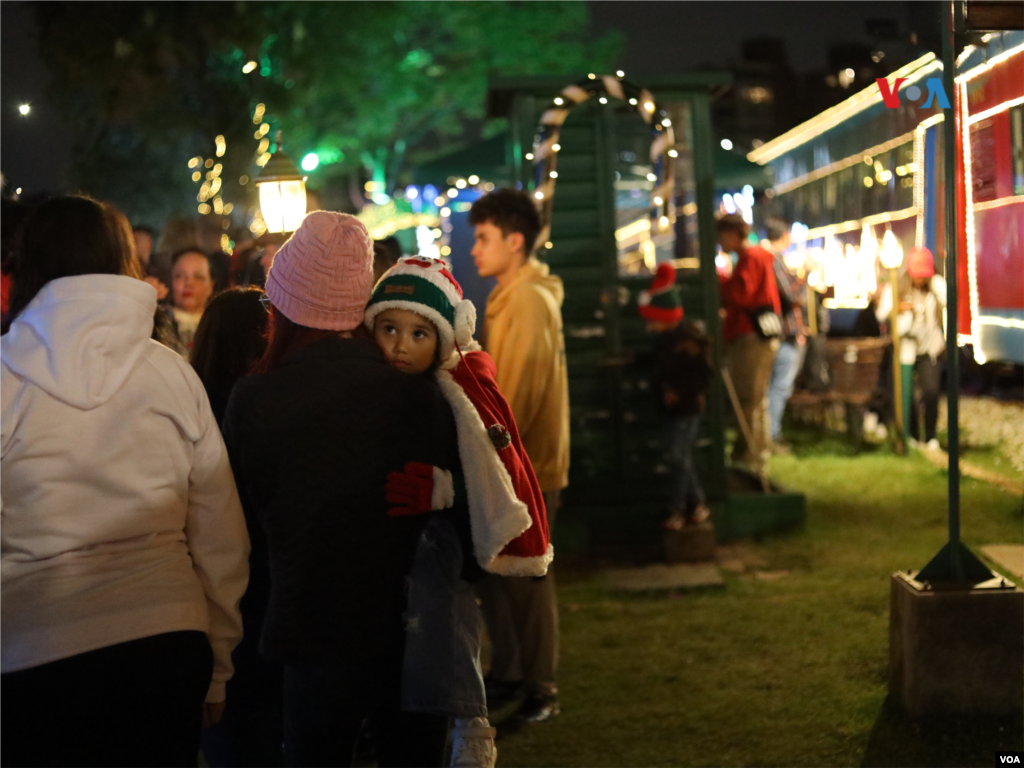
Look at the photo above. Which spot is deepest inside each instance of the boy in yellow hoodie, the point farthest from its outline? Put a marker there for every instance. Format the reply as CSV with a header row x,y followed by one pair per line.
x,y
523,334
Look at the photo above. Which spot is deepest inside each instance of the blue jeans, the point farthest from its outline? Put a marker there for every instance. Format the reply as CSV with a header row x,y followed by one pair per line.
x,y
686,493
441,671
788,359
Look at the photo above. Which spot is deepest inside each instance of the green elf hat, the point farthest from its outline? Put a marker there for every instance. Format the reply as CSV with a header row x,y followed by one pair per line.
x,y
662,302
426,287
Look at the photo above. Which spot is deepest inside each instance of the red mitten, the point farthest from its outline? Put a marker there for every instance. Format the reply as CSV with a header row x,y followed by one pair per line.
x,y
418,488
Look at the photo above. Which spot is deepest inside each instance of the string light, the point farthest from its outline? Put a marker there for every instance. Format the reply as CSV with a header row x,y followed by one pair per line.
x,y
196,176
841,112
453,192
673,153
553,174
194,162
999,203
209,163
603,100
843,164
972,267
460,183
243,180
632,102
474,179
919,139
539,195
559,101
204,208
849,226
555,147
994,111
221,146
249,67
995,60
620,73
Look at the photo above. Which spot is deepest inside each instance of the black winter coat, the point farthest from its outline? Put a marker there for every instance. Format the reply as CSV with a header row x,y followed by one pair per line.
x,y
311,444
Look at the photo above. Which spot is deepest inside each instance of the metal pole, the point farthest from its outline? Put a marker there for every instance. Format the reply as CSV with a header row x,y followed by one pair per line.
x,y
950,128
897,372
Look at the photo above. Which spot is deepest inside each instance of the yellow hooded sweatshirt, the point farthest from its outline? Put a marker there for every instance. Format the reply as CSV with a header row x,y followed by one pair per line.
x,y
523,333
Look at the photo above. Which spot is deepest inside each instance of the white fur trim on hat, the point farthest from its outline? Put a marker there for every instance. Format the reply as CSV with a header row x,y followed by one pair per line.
x,y
465,323
445,332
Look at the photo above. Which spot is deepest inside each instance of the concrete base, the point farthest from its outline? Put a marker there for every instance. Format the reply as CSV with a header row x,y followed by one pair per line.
x,y
956,652
692,544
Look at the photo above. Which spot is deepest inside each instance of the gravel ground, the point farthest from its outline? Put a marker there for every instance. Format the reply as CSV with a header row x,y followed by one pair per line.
x,y
986,422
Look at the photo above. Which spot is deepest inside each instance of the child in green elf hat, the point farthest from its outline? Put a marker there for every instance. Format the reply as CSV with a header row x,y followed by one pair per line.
x,y
682,375
423,326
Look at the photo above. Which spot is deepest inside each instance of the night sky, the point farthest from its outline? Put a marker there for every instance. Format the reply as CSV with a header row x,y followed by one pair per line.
x,y
659,37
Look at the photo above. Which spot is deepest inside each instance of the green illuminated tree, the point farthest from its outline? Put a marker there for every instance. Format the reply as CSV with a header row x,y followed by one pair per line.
x,y
369,86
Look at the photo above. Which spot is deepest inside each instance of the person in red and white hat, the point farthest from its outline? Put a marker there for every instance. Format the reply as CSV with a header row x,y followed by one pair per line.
x,y
682,374
922,339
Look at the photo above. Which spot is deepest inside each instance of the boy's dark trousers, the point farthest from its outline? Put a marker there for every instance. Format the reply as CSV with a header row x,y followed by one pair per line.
x,y
687,493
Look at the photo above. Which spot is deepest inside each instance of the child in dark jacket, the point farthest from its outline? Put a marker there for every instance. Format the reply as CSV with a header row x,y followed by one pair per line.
x,y
422,324
682,375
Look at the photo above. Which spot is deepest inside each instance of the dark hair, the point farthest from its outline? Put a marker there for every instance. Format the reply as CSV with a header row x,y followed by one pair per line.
x,y
12,215
732,222
143,228
386,254
510,210
191,249
777,229
68,236
284,339
230,338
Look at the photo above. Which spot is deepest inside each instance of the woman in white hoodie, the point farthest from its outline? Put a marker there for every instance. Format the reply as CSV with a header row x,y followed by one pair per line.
x,y
123,549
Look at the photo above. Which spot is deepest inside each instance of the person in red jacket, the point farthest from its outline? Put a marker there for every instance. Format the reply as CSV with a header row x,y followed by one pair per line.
x,y
424,326
751,331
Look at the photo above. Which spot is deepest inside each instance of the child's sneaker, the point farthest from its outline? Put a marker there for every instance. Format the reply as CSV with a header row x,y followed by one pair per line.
x,y
473,744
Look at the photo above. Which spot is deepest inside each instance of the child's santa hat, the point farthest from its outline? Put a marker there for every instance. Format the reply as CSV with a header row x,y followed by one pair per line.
x,y
662,301
426,287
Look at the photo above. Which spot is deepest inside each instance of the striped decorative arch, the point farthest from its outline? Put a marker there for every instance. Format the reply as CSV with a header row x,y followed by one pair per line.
x,y
639,100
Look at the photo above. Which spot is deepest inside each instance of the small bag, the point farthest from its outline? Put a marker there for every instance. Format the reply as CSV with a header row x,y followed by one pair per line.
x,y
767,324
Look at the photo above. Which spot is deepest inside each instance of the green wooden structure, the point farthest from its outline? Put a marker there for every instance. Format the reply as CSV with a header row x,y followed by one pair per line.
x,y
619,467
619,464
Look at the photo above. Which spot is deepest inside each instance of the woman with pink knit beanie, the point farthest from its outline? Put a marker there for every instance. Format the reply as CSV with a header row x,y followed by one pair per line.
x,y
312,436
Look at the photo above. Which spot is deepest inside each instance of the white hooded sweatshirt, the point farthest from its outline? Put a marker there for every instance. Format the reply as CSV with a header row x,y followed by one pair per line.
x,y
119,517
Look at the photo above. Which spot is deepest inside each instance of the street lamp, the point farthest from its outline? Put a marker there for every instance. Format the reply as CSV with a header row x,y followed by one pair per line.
x,y
282,192
891,256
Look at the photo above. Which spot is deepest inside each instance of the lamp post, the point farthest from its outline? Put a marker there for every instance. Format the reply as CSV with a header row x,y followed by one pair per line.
x,y
282,192
891,256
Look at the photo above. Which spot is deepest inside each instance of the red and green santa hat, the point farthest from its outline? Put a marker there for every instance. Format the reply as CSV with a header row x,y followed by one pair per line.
x,y
426,287
662,302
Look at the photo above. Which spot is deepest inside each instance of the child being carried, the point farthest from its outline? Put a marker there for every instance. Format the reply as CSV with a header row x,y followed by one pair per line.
x,y
497,521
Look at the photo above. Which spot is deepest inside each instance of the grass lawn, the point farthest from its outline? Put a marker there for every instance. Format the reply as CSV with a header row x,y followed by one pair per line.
x,y
786,666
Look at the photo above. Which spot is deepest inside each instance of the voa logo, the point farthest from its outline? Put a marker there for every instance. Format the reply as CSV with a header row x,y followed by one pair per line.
x,y
891,94
1009,759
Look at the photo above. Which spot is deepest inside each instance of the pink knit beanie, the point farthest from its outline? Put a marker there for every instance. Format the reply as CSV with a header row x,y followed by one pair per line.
x,y
322,276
